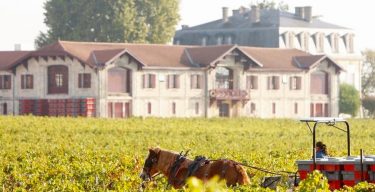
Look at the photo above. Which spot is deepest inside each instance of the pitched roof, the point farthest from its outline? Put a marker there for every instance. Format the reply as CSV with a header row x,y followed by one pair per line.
x,y
148,55
268,18
7,58
275,58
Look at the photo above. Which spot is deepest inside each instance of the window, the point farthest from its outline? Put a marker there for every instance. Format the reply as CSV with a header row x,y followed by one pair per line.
x,y
219,40
348,41
319,42
5,82
84,80
196,81
229,40
173,81
319,110
149,108
295,108
252,108
334,40
289,39
196,108
148,81
319,82
251,82
119,80
204,41
273,82
58,79
5,109
304,38
295,83
224,78
273,108
174,108
26,81
119,110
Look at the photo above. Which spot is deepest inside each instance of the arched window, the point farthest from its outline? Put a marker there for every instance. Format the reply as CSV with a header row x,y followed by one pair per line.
x,y
224,78
58,79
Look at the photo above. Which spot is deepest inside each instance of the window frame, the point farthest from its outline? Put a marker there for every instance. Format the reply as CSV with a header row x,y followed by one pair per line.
x,y
84,80
5,82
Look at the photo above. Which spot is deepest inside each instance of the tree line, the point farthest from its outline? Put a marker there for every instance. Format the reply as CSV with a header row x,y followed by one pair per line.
x,y
133,21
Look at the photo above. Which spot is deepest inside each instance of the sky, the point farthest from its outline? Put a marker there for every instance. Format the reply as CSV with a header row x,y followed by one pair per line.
x,y
22,20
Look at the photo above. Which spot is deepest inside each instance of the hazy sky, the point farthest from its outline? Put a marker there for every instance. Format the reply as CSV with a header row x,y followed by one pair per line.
x,y
22,20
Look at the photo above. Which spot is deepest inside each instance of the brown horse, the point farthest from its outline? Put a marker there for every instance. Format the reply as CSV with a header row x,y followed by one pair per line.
x,y
177,168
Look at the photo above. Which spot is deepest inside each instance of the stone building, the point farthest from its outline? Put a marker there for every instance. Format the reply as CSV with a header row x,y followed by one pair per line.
x,y
121,80
280,29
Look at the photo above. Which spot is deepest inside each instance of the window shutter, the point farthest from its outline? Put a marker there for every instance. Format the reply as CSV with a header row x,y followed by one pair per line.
x,y
248,82
30,81
255,82
87,80
199,81
143,81
8,82
153,80
268,83
128,81
177,81
192,85
80,80
277,82
168,81
22,81
291,83
299,83
1,82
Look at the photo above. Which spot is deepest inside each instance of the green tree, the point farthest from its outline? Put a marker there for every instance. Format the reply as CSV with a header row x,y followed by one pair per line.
x,y
148,21
270,4
368,76
349,99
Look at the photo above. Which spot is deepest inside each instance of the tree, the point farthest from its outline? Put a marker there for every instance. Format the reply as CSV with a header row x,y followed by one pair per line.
x,y
368,74
369,104
148,21
349,99
266,4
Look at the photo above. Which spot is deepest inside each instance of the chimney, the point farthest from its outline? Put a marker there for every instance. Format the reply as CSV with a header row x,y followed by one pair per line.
x,y
308,13
299,12
255,14
225,14
184,26
17,47
235,12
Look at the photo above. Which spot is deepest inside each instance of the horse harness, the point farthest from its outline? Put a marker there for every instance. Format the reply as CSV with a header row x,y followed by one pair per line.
x,y
198,162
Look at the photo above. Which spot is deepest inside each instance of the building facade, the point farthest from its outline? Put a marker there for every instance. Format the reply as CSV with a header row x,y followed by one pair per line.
x,y
123,80
280,29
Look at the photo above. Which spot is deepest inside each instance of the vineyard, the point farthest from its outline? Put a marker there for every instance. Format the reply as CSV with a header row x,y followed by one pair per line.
x,y
86,154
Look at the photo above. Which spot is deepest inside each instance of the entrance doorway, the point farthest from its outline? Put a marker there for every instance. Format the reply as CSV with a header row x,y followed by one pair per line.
x,y
223,109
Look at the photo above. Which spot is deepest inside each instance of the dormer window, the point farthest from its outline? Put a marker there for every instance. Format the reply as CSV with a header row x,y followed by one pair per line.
x,y
204,41
304,40
334,41
289,39
348,41
319,42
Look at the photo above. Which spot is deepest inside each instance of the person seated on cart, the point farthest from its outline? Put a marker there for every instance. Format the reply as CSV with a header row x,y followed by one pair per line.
x,y
321,150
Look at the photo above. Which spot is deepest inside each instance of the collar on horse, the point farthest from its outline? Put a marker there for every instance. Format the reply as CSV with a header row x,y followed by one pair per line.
x,y
176,166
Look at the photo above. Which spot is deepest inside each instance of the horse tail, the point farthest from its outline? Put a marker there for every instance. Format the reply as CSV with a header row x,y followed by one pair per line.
x,y
243,178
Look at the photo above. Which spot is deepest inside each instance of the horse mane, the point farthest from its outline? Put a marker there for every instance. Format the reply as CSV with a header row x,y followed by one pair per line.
x,y
165,160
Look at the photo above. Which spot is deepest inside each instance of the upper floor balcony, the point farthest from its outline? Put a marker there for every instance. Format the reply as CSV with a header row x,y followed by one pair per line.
x,y
229,94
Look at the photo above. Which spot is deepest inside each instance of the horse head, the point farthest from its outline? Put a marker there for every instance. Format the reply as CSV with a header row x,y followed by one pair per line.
x,y
149,168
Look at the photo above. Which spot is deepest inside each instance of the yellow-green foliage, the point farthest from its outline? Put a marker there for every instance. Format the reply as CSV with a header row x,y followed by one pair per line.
x,y
77,154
